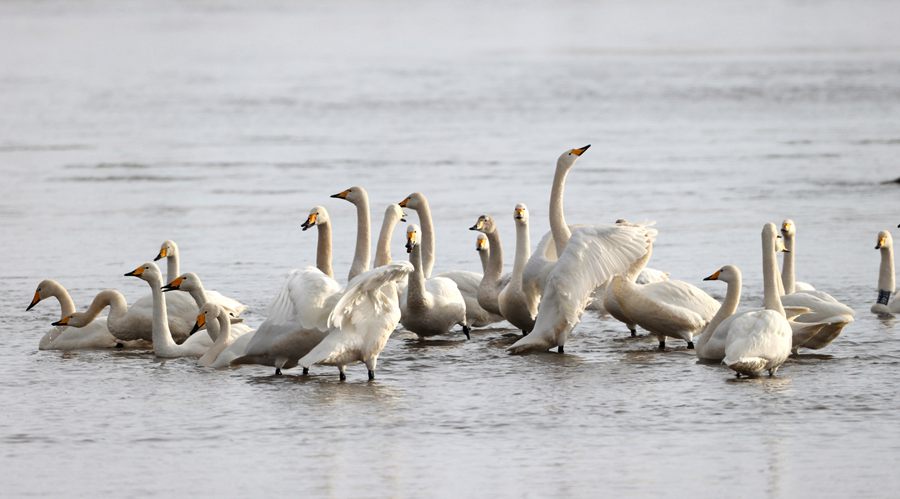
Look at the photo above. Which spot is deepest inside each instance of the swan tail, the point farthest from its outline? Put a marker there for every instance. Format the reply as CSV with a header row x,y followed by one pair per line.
x,y
747,365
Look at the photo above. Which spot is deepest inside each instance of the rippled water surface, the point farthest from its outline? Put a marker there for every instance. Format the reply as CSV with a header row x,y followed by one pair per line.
x,y
219,125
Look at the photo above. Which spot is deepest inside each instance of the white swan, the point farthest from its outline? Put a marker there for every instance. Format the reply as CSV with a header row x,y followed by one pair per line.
x,y
886,277
190,282
163,344
229,343
360,198
432,306
362,320
761,340
788,276
96,335
591,257
467,282
493,280
393,214
517,306
483,248
297,319
169,251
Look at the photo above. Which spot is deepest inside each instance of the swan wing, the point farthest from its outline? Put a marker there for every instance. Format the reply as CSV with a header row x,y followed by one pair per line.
x,y
682,294
592,256
822,305
304,299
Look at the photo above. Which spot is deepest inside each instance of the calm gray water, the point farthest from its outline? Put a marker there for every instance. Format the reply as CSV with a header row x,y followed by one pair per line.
x,y
219,125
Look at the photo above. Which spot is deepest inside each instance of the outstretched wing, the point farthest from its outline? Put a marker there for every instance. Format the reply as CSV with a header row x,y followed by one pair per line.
x,y
304,299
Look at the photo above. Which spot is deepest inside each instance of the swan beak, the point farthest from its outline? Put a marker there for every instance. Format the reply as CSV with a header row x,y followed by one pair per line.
x,y
403,217
520,214
881,243
310,221
409,246
62,322
474,227
713,277
34,301
342,194
136,272
174,285
481,245
404,202
580,150
163,252
201,321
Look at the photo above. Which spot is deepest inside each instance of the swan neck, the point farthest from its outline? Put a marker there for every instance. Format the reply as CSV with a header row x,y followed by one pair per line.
x,y
728,307
172,266
323,249
886,277
363,254
771,282
495,259
788,274
416,288
118,306
162,336
66,304
199,294
558,226
523,251
224,338
383,247
428,236
485,257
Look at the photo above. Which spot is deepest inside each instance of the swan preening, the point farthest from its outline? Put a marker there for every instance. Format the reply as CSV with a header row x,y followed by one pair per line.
x,y
316,320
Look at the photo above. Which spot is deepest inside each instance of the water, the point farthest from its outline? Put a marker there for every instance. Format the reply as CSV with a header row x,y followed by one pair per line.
x,y
220,124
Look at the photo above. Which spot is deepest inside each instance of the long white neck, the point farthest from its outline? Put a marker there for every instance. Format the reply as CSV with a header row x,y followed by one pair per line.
x,y
886,278
66,304
163,344
220,330
771,282
495,261
523,251
416,290
485,257
172,266
428,239
727,309
788,277
118,306
363,254
558,227
198,293
383,246
323,249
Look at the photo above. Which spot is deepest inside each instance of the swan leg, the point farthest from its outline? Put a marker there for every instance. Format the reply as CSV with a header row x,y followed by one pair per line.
x,y
560,349
277,371
466,330
306,371
690,345
633,329
737,375
279,363
343,374
525,333
371,375
662,344
119,345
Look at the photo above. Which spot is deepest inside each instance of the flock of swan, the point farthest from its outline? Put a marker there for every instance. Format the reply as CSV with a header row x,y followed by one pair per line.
x,y
315,320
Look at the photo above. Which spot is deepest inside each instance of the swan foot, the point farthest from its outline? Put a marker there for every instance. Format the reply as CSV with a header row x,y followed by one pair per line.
x,y
772,372
525,333
662,344
690,345
560,349
343,376
737,375
306,371
277,371
371,375
633,330
466,330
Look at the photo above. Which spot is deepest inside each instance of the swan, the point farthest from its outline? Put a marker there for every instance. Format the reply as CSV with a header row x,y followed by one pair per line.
x,y
362,320
466,282
591,257
517,306
163,344
482,247
886,277
96,335
493,281
788,279
432,306
298,316
229,343
761,340
360,198
169,251
191,283
393,214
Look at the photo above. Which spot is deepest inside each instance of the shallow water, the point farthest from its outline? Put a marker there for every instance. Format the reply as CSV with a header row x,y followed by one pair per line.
x,y
220,125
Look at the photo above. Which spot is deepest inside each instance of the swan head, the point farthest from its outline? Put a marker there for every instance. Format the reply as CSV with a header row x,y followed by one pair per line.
x,y
481,243
78,319
412,237
884,240
484,224
520,213
184,282
788,229
354,194
414,201
147,272
208,312
43,290
728,273
568,158
166,249
317,216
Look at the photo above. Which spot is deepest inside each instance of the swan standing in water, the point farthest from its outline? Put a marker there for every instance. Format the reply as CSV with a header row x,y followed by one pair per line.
x,y
362,320
360,198
432,306
493,281
466,282
96,335
517,306
886,278
761,340
229,343
788,277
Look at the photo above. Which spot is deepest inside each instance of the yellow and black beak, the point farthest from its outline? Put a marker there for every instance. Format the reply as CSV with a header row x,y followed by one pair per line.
x,y
34,301
163,252
713,277
174,285
580,150
520,214
410,241
785,228
310,221
479,224
481,244
62,322
201,321
136,272
342,195
404,202
879,245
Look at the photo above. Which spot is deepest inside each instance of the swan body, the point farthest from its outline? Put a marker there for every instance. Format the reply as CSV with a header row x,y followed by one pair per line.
x,y
230,342
94,335
432,306
761,340
887,283
163,343
362,320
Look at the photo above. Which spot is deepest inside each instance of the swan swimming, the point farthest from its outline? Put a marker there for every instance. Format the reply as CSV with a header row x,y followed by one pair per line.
x,y
95,335
886,277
